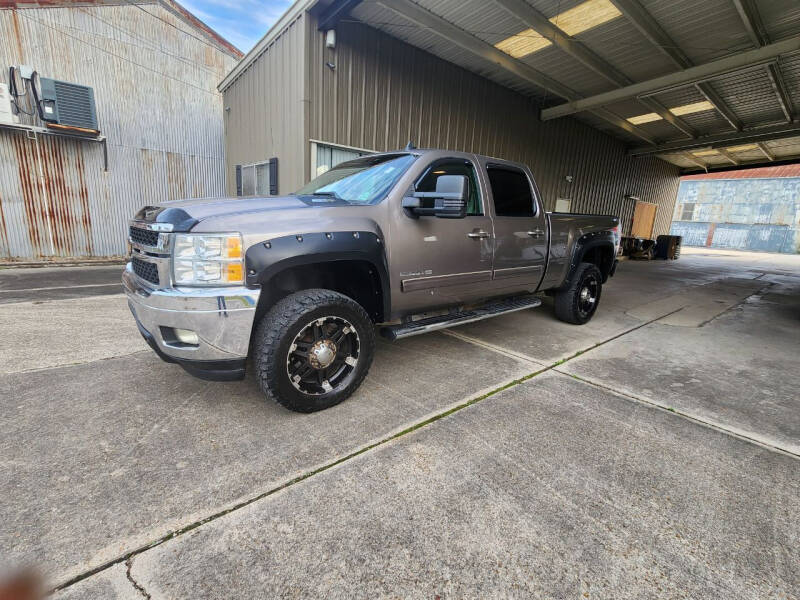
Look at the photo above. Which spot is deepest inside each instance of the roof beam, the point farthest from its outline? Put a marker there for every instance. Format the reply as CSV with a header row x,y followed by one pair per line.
x,y
729,138
694,160
569,45
751,19
476,46
728,155
650,29
765,151
715,68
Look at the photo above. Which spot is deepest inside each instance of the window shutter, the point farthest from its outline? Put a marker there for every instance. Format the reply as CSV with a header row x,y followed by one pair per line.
x,y
273,176
238,180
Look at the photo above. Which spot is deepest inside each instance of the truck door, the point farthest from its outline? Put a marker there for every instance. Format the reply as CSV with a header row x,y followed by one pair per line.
x,y
520,229
438,257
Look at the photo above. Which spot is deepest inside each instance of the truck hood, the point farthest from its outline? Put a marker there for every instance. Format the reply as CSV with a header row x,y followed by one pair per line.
x,y
185,214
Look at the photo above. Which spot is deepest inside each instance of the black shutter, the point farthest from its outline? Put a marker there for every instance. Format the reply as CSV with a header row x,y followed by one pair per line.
x,y
273,176
238,180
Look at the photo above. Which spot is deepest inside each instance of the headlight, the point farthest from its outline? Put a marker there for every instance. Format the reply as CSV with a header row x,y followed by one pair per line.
x,y
207,259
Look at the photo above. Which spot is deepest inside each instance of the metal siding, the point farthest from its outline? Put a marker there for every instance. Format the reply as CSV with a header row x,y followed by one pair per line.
x,y
264,111
460,110
157,105
748,214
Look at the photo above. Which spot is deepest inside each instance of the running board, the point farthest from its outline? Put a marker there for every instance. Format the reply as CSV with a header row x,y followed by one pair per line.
x,y
494,309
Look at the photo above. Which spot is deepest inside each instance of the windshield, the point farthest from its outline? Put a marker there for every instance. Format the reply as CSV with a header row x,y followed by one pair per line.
x,y
364,180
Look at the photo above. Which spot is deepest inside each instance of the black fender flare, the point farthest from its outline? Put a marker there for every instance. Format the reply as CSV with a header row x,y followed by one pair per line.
x,y
585,243
266,259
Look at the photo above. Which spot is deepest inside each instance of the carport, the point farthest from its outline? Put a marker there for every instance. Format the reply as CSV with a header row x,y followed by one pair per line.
x,y
700,85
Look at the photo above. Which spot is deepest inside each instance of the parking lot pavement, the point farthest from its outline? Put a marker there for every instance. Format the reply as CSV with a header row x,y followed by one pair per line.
x,y
552,488
58,283
560,482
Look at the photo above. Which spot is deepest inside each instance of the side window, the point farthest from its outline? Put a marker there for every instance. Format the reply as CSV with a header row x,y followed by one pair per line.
x,y
511,191
454,166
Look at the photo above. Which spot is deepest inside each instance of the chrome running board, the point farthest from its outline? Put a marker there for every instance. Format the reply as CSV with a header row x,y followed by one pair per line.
x,y
493,309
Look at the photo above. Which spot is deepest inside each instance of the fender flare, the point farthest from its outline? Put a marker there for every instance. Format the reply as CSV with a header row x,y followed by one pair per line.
x,y
585,243
264,260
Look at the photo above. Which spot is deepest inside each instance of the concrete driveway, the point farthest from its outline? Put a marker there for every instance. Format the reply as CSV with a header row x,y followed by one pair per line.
x,y
651,453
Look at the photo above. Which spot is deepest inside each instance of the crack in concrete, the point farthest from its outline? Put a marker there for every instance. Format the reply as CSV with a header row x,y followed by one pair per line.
x,y
129,575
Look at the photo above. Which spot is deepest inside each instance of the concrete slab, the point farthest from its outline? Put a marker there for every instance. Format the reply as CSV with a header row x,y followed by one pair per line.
x,y
49,333
102,458
58,283
697,305
551,489
539,336
740,371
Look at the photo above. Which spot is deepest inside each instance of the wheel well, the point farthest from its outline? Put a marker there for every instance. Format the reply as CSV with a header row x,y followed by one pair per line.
x,y
356,279
601,256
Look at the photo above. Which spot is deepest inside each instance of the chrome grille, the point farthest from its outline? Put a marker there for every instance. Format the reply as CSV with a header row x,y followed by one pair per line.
x,y
145,237
146,270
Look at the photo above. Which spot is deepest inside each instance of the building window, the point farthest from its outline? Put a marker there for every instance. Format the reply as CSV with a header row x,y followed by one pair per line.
x,y
511,192
326,156
255,179
687,211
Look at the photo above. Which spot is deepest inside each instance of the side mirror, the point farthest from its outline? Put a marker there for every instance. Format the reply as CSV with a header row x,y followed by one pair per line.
x,y
449,201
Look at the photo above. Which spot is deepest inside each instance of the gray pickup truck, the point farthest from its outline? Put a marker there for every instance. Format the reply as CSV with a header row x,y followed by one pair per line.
x,y
411,241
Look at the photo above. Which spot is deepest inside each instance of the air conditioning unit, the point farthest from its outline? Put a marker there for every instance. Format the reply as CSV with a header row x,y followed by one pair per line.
x,y
7,116
68,104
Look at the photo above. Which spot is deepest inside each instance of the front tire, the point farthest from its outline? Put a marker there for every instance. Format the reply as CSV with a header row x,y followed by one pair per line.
x,y
578,303
313,349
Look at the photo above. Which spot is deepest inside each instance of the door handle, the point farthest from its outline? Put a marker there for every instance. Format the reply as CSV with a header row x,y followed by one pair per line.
x,y
536,233
475,235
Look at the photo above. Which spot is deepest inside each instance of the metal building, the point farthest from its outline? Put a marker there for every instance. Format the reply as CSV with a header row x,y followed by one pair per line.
x,y
753,209
608,101
154,69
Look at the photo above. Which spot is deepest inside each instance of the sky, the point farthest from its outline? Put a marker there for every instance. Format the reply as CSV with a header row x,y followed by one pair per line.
x,y
241,22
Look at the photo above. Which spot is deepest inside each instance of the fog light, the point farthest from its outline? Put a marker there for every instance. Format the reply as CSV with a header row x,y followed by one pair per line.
x,y
186,336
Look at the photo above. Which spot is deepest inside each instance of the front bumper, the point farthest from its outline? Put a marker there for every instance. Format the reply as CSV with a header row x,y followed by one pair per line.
x,y
221,317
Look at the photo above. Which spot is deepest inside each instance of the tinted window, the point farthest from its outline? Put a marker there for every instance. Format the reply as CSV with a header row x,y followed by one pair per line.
x,y
454,166
511,192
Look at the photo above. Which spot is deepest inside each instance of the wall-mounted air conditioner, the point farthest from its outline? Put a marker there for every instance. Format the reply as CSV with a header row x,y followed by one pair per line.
x,y
68,104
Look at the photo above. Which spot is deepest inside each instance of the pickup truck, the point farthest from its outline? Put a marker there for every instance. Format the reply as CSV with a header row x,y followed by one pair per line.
x,y
408,241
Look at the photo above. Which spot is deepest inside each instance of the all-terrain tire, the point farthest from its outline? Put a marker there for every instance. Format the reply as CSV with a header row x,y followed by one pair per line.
x,y
578,302
278,330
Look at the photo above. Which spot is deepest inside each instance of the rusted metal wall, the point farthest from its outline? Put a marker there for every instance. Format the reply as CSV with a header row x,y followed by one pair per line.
x,y
264,110
154,79
383,93
746,214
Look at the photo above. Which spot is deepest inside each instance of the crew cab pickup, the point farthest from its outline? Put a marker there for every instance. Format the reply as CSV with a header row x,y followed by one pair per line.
x,y
405,242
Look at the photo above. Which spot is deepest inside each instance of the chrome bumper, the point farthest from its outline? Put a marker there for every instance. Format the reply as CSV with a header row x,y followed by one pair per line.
x,y
222,318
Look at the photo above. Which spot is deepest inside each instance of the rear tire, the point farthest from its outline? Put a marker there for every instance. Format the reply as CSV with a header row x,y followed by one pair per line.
x,y
578,302
313,349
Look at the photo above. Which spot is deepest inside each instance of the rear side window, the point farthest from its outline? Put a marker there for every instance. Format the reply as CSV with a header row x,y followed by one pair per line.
x,y
511,191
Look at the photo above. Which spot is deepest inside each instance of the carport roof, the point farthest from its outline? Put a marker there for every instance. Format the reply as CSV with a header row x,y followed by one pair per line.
x,y
702,85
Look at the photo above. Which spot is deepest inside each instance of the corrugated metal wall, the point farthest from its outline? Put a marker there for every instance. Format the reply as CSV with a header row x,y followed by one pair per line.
x,y
157,103
264,110
384,92
747,214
